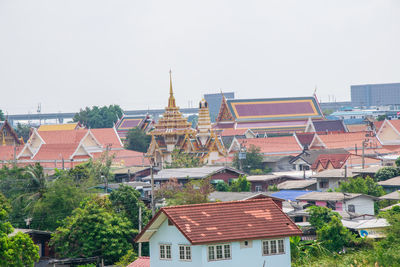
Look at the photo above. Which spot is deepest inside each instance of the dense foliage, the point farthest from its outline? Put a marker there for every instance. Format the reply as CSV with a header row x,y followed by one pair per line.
x,y
137,140
94,229
2,118
23,130
99,117
240,185
362,185
386,173
18,249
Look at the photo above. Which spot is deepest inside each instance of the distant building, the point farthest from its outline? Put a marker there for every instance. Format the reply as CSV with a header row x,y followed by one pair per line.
x,y
214,103
375,95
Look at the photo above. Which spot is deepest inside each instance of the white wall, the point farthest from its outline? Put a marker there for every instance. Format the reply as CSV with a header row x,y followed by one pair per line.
x,y
362,204
247,257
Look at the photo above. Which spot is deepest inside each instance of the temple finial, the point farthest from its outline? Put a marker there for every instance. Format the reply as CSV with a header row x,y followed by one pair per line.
x,y
171,100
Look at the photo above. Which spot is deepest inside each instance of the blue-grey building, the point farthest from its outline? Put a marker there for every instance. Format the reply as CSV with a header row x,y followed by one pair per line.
x,y
368,95
214,103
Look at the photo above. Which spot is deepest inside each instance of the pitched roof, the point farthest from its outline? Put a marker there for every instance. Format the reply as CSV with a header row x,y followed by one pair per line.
x,y
55,151
274,145
140,262
59,127
233,132
337,160
310,156
7,152
395,123
107,136
392,196
300,184
395,181
292,108
329,126
334,173
273,126
126,158
329,196
63,136
184,173
248,220
347,140
290,194
305,139
357,127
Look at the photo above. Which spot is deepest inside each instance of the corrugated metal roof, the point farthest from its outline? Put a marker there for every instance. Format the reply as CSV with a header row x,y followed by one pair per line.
x,y
290,194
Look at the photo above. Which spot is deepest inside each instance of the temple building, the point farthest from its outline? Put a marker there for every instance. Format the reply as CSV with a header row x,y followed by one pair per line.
x,y
128,122
174,132
8,136
268,115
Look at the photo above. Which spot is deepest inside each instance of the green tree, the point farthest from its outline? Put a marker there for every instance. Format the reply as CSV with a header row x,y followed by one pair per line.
x,y
319,216
221,186
2,118
126,201
94,229
183,160
240,185
16,249
381,117
137,140
99,117
23,130
253,160
333,235
365,186
386,173
397,162
193,119
61,198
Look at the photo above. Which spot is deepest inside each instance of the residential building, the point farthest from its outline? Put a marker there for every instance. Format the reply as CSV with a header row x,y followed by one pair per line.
x,y
309,184
306,158
355,204
368,228
395,196
325,126
330,161
390,185
260,183
183,175
193,235
330,179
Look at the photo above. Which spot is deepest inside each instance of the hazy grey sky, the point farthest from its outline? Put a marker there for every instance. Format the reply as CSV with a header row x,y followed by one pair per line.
x,y
68,54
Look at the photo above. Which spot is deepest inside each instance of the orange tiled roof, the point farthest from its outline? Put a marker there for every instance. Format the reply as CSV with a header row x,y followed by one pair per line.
x,y
126,157
56,151
7,152
357,128
337,160
233,132
63,136
347,140
248,219
282,144
140,262
396,124
107,136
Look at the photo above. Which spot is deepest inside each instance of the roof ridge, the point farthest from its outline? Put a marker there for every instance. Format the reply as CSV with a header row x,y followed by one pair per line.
x,y
219,203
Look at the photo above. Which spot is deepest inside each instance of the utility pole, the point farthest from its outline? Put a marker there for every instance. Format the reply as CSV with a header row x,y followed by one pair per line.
x,y
140,229
153,208
363,152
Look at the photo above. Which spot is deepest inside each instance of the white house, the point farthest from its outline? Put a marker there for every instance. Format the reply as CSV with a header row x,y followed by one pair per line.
x,y
236,233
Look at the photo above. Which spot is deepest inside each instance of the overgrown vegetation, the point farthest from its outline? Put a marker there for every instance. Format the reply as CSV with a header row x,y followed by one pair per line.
x,y
137,140
183,160
99,117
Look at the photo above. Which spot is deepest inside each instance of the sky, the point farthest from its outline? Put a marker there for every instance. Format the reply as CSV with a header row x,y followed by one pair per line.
x,y
69,54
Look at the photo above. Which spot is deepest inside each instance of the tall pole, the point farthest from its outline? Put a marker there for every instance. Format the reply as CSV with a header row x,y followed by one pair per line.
x,y
140,229
363,151
153,208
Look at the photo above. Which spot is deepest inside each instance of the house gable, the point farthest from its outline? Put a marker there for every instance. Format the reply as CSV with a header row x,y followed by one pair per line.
x,y
388,134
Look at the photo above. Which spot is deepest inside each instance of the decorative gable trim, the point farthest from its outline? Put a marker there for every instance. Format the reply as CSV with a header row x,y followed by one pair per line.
x,y
317,142
224,114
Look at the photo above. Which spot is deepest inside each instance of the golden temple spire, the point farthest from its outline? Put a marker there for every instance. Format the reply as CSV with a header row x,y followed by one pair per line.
x,y
171,100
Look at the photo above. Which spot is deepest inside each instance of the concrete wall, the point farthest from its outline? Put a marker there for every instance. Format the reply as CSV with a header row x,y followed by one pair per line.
x,y
362,204
250,256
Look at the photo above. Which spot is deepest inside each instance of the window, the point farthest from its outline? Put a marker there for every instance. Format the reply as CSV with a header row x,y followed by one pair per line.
x,y
273,247
258,188
219,252
351,208
165,252
185,253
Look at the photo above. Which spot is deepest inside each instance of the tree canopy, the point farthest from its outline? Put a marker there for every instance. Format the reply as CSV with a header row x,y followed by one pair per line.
x,y
240,185
137,140
94,229
99,117
18,249
386,173
2,118
23,130
362,185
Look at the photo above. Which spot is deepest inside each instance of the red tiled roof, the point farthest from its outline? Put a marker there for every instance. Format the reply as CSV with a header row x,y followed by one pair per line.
x,y
56,151
358,127
346,140
233,132
140,262
396,124
107,136
126,157
7,152
281,144
63,136
248,220
337,160
305,139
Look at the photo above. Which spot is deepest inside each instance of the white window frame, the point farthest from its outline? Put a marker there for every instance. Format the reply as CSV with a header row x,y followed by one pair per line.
x,y
278,250
165,248
187,253
224,254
